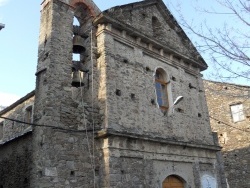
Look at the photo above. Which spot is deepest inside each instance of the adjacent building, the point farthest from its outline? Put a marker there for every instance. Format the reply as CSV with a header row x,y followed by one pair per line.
x,y
119,102
1,26
229,110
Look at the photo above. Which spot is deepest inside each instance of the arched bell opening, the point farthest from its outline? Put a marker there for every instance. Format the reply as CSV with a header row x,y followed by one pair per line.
x,y
78,74
76,29
78,40
80,44
77,78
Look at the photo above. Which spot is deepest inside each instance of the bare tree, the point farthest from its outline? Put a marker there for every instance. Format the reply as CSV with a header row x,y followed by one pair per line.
x,y
226,47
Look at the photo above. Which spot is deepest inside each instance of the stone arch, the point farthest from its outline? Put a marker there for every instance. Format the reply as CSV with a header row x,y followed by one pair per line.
x,y
93,9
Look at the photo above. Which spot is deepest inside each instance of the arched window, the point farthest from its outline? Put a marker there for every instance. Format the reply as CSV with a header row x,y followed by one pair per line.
x,y
161,88
173,182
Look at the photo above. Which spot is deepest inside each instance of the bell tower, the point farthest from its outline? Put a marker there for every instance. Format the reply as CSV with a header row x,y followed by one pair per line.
x,y
61,142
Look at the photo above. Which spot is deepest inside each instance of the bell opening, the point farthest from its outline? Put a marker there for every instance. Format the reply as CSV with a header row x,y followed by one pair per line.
x,y
78,44
76,21
77,79
76,57
78,49
77,84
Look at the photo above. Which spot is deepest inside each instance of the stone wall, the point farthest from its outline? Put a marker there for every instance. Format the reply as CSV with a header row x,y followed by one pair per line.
x,y
15,162
233,136
111,132
136,162
66,159
163,28
21,110
132,74
15,143
137,134
63,152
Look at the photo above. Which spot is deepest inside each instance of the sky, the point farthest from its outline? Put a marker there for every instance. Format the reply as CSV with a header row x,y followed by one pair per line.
x,y
19,40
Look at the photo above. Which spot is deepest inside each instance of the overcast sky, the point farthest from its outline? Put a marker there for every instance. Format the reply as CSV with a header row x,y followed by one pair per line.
x,y
19,41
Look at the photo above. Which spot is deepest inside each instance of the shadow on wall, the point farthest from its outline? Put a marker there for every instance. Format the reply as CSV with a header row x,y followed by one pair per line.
x,y
15,162
237,168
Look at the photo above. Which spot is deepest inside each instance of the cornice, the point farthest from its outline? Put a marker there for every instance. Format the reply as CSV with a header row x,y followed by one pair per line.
x,y
130,31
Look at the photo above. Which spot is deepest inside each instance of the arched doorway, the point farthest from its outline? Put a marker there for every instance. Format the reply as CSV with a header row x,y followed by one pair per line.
x,y
173,182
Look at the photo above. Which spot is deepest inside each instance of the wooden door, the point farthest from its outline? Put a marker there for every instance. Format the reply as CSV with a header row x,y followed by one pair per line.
x,y
172,182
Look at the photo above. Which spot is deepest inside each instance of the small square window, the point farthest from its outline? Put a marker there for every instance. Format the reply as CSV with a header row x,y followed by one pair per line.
x,y
237,112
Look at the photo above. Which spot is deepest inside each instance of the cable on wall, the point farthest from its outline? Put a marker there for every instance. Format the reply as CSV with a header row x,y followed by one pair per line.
x,y
85,125
48,126
92,100
228,124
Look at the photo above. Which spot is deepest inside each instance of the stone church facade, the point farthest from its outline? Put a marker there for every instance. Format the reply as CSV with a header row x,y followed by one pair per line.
x,y
119,102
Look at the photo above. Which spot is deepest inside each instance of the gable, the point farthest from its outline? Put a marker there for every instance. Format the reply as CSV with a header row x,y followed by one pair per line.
x,y
154,20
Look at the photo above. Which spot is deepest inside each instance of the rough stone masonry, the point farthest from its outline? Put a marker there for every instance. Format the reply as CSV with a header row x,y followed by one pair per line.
x,y
121,128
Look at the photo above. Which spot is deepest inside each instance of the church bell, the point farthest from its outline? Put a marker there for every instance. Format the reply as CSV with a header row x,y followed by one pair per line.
x,y
78,44
77,79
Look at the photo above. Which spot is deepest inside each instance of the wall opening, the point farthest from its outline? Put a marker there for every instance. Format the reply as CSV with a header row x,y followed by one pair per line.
x,y
162,88
82,25
237,112
76,21
173,181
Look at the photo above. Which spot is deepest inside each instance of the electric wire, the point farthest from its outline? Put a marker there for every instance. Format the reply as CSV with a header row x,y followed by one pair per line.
x,y
86,130
90,130
47,126
227,124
